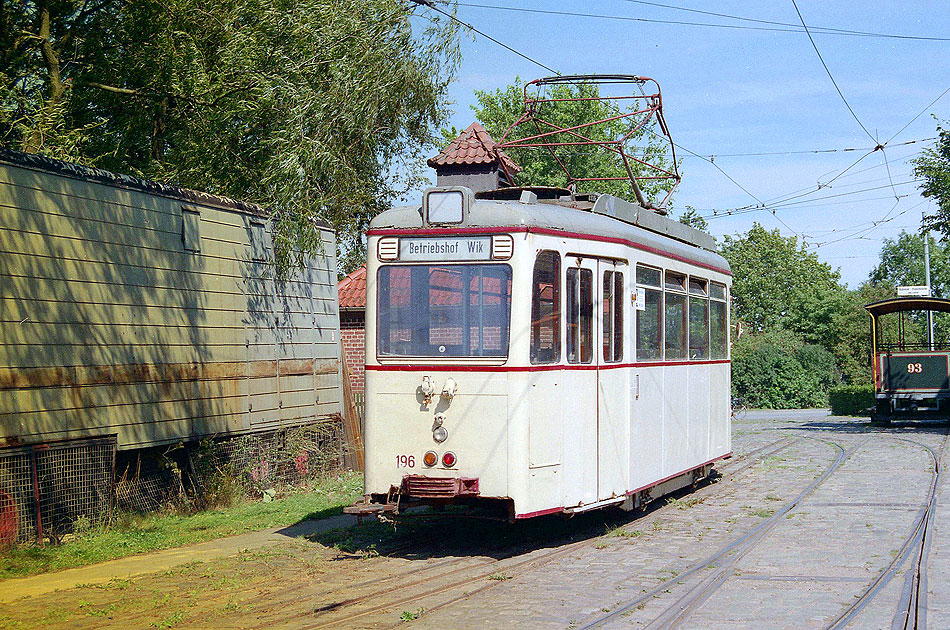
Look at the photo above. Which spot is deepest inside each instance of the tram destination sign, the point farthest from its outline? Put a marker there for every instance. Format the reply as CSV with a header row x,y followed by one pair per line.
x,y
913,291
446,248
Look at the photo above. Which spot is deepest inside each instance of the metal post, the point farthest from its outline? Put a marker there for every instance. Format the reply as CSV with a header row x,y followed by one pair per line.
x,y
930,293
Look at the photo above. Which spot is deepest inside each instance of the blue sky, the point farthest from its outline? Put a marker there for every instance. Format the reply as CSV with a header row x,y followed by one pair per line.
x,y
729,91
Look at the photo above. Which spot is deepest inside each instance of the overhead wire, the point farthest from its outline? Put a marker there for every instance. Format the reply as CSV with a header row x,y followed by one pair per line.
x,y
830,76
431,4
788,28
821,29
760,205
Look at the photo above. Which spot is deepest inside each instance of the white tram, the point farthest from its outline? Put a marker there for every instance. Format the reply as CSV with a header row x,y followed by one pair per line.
x,y
552,355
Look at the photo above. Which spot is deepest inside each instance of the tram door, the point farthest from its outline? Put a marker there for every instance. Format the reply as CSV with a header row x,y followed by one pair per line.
x,y
579,409
612,382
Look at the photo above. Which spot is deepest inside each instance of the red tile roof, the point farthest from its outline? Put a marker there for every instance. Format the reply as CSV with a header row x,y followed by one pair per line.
x,y
473,146
352,289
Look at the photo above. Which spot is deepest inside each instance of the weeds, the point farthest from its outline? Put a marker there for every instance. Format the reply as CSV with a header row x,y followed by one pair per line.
x,y
409,615
684,504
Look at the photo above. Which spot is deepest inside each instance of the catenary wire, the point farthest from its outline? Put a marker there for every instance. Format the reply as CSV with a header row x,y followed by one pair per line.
x,y
827,30
628,18
760,204
830,76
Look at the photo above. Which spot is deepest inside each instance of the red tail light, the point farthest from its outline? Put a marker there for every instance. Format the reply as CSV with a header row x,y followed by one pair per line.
x,y
449,459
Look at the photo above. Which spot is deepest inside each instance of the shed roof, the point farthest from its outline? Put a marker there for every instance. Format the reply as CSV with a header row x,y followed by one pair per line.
x,y
473,146
895,305
41,163
352,289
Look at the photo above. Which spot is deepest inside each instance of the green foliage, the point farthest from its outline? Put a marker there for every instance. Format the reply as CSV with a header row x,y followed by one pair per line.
x,y
933,166
779,371
902,263
851,400
778,284
693,219
319,109
497,110
852,344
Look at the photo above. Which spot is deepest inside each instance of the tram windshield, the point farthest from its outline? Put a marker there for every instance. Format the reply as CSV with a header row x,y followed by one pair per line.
x,y
443,310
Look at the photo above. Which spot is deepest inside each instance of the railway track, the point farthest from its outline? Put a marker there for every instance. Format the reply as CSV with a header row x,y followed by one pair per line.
x,y
363,605
911,610
721,561
355,595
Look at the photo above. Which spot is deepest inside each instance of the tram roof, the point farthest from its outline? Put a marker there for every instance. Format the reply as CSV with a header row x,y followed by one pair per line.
x,y
901,304
488,213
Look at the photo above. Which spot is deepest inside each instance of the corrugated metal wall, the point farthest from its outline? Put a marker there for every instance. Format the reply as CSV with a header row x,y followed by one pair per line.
x,y
153,316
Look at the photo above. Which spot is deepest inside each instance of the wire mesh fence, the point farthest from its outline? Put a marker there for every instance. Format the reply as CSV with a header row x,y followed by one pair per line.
x,y
50,490
218,471
46,489
264,460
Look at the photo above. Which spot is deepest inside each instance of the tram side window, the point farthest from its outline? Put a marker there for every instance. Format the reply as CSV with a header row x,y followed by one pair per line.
x,y
612,316
580,312
650,320
717,321
675,316
545,308
698,318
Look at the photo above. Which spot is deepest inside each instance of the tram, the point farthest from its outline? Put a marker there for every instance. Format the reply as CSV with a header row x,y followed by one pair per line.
x,y
911,371
541,352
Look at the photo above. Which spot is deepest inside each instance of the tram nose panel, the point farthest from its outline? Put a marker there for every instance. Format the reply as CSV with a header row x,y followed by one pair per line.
x,y
460,433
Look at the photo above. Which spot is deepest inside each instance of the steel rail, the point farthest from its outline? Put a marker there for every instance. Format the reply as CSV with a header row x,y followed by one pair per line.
x,y
916,541
496,566
743,544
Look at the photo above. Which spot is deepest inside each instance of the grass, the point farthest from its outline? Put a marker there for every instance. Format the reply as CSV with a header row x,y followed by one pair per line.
x,y
132,534
684,504
409,615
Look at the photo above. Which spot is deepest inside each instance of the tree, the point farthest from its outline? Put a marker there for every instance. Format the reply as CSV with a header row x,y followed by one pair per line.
x,y
933,166
693,219
902,263
498,109
319,109
778,284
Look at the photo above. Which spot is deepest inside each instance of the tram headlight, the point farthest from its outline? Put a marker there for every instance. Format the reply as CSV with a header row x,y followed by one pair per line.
x,y
439,434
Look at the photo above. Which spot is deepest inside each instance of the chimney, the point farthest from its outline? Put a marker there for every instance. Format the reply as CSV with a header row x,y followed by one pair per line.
x,y
472,160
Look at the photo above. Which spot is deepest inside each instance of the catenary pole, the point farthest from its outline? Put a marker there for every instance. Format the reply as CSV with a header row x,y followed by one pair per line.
x,y
930,319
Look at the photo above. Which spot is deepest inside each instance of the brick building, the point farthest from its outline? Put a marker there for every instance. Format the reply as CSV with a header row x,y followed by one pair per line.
x,y
352,294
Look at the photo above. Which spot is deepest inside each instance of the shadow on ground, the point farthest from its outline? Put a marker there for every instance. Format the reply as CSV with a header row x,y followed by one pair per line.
x,y
841,424
429,534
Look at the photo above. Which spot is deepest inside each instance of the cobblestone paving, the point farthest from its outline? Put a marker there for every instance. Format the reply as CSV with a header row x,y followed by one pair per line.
x,y
737,553
813,563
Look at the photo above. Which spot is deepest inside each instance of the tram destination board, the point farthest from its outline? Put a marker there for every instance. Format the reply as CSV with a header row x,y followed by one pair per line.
x,y
447,248
927,372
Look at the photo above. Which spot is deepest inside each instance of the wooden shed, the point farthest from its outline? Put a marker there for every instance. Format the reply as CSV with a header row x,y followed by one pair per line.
x,y
153,313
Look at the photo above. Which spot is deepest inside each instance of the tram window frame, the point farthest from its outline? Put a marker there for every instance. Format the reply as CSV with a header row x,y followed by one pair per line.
x,y
698,318
546,325
676,326
718,335
650,319
674,281
579,294
424,303
612,316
